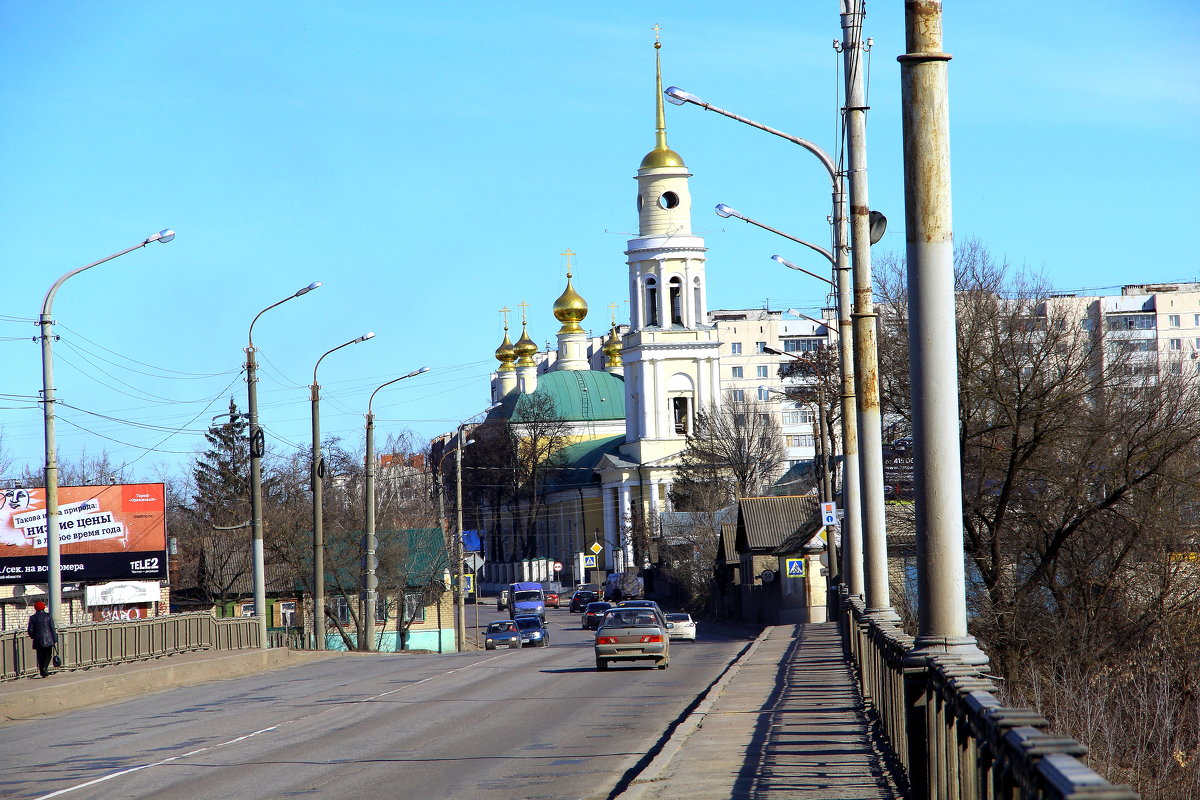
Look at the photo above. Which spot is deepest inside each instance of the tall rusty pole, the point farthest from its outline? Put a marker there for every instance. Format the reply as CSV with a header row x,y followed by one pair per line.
x,y
933,371
866,359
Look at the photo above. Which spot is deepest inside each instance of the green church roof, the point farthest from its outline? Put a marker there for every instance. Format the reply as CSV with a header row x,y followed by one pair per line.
x,y
578,396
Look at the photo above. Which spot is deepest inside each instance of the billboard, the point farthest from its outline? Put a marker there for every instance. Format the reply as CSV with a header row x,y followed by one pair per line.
x,y
104,533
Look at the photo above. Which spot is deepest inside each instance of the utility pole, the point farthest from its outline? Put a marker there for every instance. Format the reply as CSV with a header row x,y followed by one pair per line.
x,y
870,425
459,611
933,357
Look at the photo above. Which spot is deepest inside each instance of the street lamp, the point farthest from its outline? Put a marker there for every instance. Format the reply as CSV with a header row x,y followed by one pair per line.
x,y
370,582
318,473
258,448
53,551
458,551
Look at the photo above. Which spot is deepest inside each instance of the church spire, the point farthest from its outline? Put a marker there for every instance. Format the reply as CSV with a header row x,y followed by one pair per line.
x,y
661,155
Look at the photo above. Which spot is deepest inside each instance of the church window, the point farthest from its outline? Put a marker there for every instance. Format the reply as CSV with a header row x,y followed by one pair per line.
x,y
668,200
651,302
697,314
679,413
675,287
639,203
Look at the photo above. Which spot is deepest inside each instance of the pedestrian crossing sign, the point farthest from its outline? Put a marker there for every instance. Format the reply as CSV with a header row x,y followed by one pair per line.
x,y
794,567
468,583
589,562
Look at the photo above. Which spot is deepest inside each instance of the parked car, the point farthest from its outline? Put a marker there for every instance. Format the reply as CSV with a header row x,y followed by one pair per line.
x,y
502,634
593,613
684,626
551,598
580,599
633,634
533,631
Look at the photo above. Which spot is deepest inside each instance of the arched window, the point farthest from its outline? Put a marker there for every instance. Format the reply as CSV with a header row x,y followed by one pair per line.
x,y
651,302
676,290
698,313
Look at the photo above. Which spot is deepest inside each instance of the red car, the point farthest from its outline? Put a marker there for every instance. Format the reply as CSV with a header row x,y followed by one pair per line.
x,y
551,599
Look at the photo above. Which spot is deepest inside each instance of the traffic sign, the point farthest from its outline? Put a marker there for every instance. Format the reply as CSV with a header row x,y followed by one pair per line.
x,y
558,566
829,513
473,561
596,548
794,567
589,562
468,582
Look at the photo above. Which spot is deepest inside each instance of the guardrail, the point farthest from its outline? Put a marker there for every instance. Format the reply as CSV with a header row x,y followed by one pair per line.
x,y
96,644
948,732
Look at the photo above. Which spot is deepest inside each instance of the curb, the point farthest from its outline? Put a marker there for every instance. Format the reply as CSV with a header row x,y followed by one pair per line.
x,y
44,698
658,765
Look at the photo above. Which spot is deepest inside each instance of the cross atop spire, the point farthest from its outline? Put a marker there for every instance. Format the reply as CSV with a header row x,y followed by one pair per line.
x,y
568,254
504,312
523,305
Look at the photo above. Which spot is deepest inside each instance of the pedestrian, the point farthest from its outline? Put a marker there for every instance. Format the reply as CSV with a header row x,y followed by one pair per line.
x,y
41,630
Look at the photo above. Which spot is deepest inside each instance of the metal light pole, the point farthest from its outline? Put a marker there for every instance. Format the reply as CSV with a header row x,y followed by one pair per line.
x,y
852,476
258,448
933,358
318,473
370,582
457,552
870,419
45,321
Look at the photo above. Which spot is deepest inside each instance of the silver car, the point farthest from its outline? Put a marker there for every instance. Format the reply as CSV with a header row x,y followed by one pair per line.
x,y
633,634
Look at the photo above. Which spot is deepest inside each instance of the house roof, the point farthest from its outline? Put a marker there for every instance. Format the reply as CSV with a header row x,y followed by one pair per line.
x,y
765,523
727,547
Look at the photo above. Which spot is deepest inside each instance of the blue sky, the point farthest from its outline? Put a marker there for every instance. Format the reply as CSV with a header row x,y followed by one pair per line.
x,y
430,162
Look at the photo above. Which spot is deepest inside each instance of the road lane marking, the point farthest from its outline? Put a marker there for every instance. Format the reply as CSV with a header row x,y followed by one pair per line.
x,y
425,680
189,754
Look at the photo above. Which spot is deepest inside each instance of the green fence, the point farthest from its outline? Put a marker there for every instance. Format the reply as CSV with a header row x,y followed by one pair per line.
x,y
96,644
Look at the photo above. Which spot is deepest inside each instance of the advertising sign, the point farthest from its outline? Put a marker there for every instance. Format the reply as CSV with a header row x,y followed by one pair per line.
x,y
104,533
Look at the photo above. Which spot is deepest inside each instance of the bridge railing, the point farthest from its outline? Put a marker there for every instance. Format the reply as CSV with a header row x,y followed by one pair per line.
x,y
948,732
101,643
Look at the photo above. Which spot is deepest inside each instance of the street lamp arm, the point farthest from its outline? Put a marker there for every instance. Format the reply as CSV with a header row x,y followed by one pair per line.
x,y
790,265
363,338
725,211
305,290
414,373
679,96
162,236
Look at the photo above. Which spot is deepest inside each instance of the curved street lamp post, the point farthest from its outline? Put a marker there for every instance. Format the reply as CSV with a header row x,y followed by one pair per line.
x,y
45,321
318,474
258,448
370,581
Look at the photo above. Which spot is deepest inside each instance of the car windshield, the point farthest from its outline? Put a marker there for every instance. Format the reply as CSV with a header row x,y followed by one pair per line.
x,y
528,623
527,597
499,627
629,619
678,618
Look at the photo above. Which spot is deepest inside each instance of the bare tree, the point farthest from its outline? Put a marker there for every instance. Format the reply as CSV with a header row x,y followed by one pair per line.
x,y
734,451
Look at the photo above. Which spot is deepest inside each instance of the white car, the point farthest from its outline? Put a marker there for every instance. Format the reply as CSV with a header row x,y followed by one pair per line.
x,y
684,627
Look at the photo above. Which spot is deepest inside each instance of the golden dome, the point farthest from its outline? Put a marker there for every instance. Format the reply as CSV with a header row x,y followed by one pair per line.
x,y
506,353
613,348
664,157
525,348
570,309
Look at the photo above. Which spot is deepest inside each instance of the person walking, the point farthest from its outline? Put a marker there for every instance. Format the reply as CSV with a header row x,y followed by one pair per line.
x,y
41,630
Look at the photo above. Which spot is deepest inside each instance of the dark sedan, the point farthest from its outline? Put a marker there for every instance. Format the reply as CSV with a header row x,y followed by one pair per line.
x,y
580,599
593,613
502,634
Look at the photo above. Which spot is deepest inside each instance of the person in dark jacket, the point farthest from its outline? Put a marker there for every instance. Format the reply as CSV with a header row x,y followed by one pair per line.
x,y
41,630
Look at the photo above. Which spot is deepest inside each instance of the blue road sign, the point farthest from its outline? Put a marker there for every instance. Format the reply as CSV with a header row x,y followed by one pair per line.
x,y
795,567
589,562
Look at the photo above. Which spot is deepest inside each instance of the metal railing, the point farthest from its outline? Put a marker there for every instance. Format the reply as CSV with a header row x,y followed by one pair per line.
x,y
96,644
948,732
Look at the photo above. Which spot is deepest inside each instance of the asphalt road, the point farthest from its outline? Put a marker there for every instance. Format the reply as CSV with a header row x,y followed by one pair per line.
x,y
531,723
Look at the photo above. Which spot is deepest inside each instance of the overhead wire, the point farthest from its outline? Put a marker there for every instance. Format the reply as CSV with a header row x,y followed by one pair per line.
x,y
184,375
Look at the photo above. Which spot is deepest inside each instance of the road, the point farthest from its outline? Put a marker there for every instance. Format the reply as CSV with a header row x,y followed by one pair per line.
x,y
531,723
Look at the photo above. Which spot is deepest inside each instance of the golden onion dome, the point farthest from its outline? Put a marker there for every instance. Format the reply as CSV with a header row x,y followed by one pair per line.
x,y
662,157
506,353
525,348
613,348
570,309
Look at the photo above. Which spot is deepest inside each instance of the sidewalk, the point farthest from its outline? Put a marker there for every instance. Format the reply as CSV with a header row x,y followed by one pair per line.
x,y
785,721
